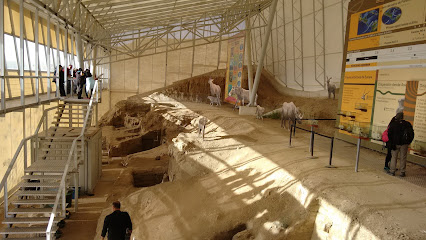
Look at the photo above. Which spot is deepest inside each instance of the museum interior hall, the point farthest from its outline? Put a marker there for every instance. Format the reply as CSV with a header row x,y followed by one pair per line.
x,y
213,119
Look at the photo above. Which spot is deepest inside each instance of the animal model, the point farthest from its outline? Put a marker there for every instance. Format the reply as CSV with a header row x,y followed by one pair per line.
x,y
214,100
202,126
290,113
215,89
259,112
331,87
243,95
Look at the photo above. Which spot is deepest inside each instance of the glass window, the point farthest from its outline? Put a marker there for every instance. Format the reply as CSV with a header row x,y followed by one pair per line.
x,y
10,55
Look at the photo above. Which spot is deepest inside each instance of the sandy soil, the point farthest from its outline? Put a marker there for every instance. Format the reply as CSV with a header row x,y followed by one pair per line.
x,y
243,173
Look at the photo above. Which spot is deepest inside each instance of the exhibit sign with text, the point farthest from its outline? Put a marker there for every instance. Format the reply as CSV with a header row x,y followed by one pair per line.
x,y
385,69
234,73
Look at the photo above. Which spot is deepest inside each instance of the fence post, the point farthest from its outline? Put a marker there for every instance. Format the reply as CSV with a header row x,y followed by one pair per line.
x,y
331,154
311,145
358,147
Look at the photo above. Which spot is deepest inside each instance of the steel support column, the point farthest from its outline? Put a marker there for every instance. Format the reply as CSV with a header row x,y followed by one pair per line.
x,y
48,51
248,54
79,48
2,62
37,59
58,60
21,51
263,53
66,61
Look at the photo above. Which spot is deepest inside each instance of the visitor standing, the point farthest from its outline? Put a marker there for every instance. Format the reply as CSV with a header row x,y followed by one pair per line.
x,y
401,134
388,146
61,81
118,224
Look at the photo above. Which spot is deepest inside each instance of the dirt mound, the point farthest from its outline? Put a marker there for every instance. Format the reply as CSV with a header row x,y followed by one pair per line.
x,y
268,96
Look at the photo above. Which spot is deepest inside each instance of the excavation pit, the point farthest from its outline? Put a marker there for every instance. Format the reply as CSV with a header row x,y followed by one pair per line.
x,y
147,179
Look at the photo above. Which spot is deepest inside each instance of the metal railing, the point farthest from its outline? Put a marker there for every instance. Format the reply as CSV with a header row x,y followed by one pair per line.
x,y
293,128
23,146
73,152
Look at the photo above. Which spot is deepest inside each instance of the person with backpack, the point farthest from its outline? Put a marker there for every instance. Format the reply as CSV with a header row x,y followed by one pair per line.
x,y
400,134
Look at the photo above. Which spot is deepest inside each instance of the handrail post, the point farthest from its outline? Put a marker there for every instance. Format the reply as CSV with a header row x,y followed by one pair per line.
x,y
6,200
46,129
64,205
25,153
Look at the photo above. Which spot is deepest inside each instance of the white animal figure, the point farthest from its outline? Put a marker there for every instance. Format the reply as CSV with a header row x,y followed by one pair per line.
x,y
214,100
401,105
215,89
331,87
202,126
291,113
243,96
259,112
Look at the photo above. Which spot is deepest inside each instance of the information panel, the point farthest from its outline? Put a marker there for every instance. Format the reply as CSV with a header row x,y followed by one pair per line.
x,y
385,69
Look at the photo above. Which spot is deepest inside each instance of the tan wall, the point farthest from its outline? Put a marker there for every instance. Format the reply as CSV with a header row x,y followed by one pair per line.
x,y
147,73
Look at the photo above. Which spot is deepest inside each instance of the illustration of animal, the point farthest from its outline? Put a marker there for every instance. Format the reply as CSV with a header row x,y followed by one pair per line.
x,y
202,126
214,100
401,105
259,112
291,113
331,87
243,96
215,89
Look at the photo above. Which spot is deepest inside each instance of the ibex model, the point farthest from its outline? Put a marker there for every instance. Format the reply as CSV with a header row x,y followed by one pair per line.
x,y
291,113
331,88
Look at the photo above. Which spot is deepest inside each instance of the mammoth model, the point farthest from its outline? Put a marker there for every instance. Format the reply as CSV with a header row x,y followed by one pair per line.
x,y
215,90
291,113
243,95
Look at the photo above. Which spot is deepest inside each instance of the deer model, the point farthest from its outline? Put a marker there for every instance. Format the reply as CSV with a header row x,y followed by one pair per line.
x,y
331,88
215,89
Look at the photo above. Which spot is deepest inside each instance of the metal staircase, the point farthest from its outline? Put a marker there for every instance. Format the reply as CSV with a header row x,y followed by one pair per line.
x,y
47,164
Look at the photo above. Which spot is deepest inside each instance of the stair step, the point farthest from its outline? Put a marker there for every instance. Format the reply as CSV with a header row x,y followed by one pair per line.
x,y
31,220
48,166
31,210
42,177
26,230
26,184
33,238
34,202
57,149
35,193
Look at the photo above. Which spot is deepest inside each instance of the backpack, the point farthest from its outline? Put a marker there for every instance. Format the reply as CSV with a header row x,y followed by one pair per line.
x,y
407,133
385,137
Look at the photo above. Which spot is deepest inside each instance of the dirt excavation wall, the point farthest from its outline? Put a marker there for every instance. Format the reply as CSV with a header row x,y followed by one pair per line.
x,y
242,182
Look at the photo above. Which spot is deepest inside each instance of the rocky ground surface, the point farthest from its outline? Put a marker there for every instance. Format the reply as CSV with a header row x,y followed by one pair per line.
x,y
243,182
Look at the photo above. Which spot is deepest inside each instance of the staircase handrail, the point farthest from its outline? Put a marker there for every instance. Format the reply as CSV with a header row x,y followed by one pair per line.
x,y
73,148
18,151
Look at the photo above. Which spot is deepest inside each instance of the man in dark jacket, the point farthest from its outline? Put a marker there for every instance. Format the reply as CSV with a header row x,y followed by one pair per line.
x,y
118,224
398,143
61,81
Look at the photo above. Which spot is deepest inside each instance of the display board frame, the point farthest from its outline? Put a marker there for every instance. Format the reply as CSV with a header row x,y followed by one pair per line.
x,y
384,69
